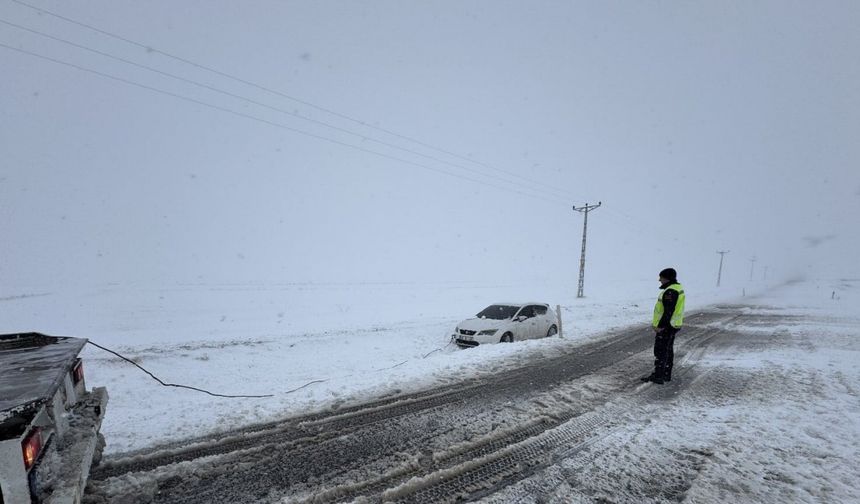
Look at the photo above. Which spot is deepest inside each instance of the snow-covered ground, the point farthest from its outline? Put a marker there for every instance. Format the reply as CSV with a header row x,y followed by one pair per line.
x,y
350,342
774,422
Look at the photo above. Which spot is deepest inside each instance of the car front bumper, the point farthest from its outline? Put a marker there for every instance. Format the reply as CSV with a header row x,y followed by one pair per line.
x,y
465,341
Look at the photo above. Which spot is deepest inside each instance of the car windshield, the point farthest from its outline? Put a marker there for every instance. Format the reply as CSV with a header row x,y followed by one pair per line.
x,y
498,312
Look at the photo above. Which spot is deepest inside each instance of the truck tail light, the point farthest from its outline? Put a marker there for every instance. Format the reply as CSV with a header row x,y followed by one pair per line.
x,y
78,372
31,448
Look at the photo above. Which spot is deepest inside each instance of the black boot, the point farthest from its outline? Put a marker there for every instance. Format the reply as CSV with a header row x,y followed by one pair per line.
x,y
648,378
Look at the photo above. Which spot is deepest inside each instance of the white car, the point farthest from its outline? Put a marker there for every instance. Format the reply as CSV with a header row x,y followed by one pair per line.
x,y
506,323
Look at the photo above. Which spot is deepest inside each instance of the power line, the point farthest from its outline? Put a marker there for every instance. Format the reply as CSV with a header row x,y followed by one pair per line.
x,y
152,49
551,191
266,121
249,100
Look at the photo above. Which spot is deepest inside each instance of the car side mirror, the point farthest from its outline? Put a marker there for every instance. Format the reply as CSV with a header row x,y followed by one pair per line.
x,y
520,318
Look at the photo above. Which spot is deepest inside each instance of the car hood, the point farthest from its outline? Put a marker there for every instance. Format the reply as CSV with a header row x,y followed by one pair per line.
x,y
476,324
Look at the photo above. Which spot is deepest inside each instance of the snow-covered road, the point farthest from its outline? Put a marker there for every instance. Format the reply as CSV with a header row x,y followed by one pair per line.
x,y
769,413
763,407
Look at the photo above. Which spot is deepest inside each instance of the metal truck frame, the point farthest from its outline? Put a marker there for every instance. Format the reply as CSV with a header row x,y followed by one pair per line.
x,y
49,423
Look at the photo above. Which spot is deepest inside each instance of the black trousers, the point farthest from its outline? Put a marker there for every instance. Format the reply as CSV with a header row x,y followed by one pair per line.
x,y
664,353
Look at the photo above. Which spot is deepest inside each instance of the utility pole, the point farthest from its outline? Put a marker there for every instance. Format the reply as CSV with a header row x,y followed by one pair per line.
x,y
752,266
765,273
583,210
720,272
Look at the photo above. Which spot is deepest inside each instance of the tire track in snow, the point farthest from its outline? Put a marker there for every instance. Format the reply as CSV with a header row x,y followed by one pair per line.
x,y
493,442
529,451
665,476
321,442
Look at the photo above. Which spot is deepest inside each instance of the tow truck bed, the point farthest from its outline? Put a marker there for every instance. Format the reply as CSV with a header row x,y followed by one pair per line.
x,y
33,368
49,423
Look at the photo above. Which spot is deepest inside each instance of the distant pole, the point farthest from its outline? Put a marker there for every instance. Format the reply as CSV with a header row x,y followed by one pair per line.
x,y
765,273
752,267
720,272
583,210
558,314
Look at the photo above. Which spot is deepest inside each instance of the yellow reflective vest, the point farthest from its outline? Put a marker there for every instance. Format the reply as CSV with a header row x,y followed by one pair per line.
x,y
677,319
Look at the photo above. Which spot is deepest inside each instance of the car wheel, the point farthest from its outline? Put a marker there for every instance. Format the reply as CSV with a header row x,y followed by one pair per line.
x,y
553,330
507,338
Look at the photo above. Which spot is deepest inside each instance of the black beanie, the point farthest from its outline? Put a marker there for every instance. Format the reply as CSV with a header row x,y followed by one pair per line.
x,y
669,274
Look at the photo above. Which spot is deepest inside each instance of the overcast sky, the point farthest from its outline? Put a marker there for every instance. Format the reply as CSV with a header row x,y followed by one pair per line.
x,y
700,126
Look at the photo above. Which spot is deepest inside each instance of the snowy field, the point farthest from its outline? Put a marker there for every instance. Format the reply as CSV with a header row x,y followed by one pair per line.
x,y
348,342
311,346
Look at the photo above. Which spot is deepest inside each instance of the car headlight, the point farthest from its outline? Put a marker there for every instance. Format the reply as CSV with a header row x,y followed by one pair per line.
x,y
488,332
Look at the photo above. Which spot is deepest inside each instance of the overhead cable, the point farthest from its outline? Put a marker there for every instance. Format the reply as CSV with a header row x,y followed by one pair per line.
x,y
151,49
249,100
273,123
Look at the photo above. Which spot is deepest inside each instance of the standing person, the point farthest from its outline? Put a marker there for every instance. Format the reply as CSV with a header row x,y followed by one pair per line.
x,y
667,321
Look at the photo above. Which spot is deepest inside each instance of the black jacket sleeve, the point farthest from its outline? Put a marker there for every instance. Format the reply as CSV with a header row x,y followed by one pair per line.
x,y
670,299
